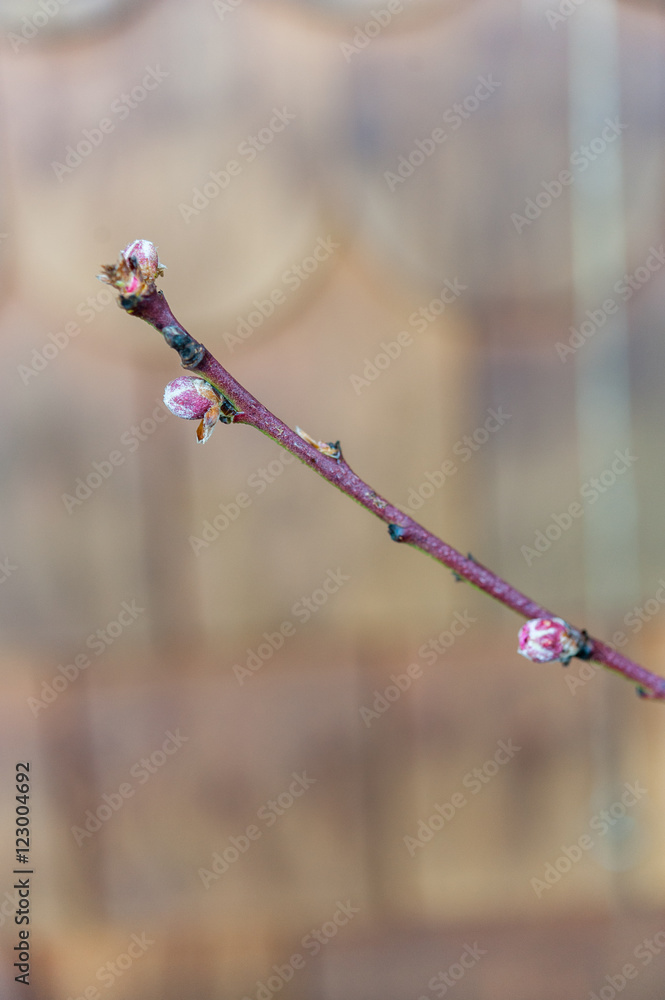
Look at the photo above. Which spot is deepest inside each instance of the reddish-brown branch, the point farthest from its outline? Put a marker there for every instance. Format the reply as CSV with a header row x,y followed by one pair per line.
x,y
153,307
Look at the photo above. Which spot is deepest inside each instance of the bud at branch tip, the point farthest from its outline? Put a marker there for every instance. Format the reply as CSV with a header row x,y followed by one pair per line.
x,y
136,271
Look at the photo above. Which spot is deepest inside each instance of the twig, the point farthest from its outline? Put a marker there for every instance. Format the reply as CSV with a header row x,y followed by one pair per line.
x,y
134,277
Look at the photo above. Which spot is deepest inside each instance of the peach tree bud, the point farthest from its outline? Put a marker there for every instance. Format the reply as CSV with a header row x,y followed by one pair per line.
x,y
145,254
546,640
194,399
189,397
136,271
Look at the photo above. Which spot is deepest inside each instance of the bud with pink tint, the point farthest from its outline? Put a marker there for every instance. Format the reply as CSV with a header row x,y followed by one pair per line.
x,y
546,640
137,269
194,399
189,397
145,254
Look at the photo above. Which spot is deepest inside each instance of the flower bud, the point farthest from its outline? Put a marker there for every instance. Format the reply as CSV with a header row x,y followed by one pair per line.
x,y
189,397
136,271
194,399
546,640
145,254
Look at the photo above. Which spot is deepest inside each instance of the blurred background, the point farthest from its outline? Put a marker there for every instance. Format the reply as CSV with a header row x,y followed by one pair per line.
x,y
270,752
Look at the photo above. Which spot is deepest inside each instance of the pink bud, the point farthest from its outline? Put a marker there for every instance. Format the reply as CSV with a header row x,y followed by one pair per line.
x,y
194,399
546,640
136,271
145,254
189,397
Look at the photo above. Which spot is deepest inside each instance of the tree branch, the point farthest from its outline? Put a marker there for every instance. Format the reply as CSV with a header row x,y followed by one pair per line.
x,y
134,277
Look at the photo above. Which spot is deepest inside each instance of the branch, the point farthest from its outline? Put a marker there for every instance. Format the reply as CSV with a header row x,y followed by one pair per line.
x,y
134,278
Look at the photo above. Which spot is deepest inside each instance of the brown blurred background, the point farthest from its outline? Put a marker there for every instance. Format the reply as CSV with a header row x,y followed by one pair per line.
x,y
217,771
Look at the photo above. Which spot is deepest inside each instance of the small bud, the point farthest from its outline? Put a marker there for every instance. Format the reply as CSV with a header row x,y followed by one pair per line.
x,y
189,397
546,640
145,254
194,399
329,448
136,271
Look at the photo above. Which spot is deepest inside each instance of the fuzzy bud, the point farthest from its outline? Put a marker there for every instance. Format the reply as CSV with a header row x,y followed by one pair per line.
x,y
194,399
146,256
546,640
189,397
137,269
